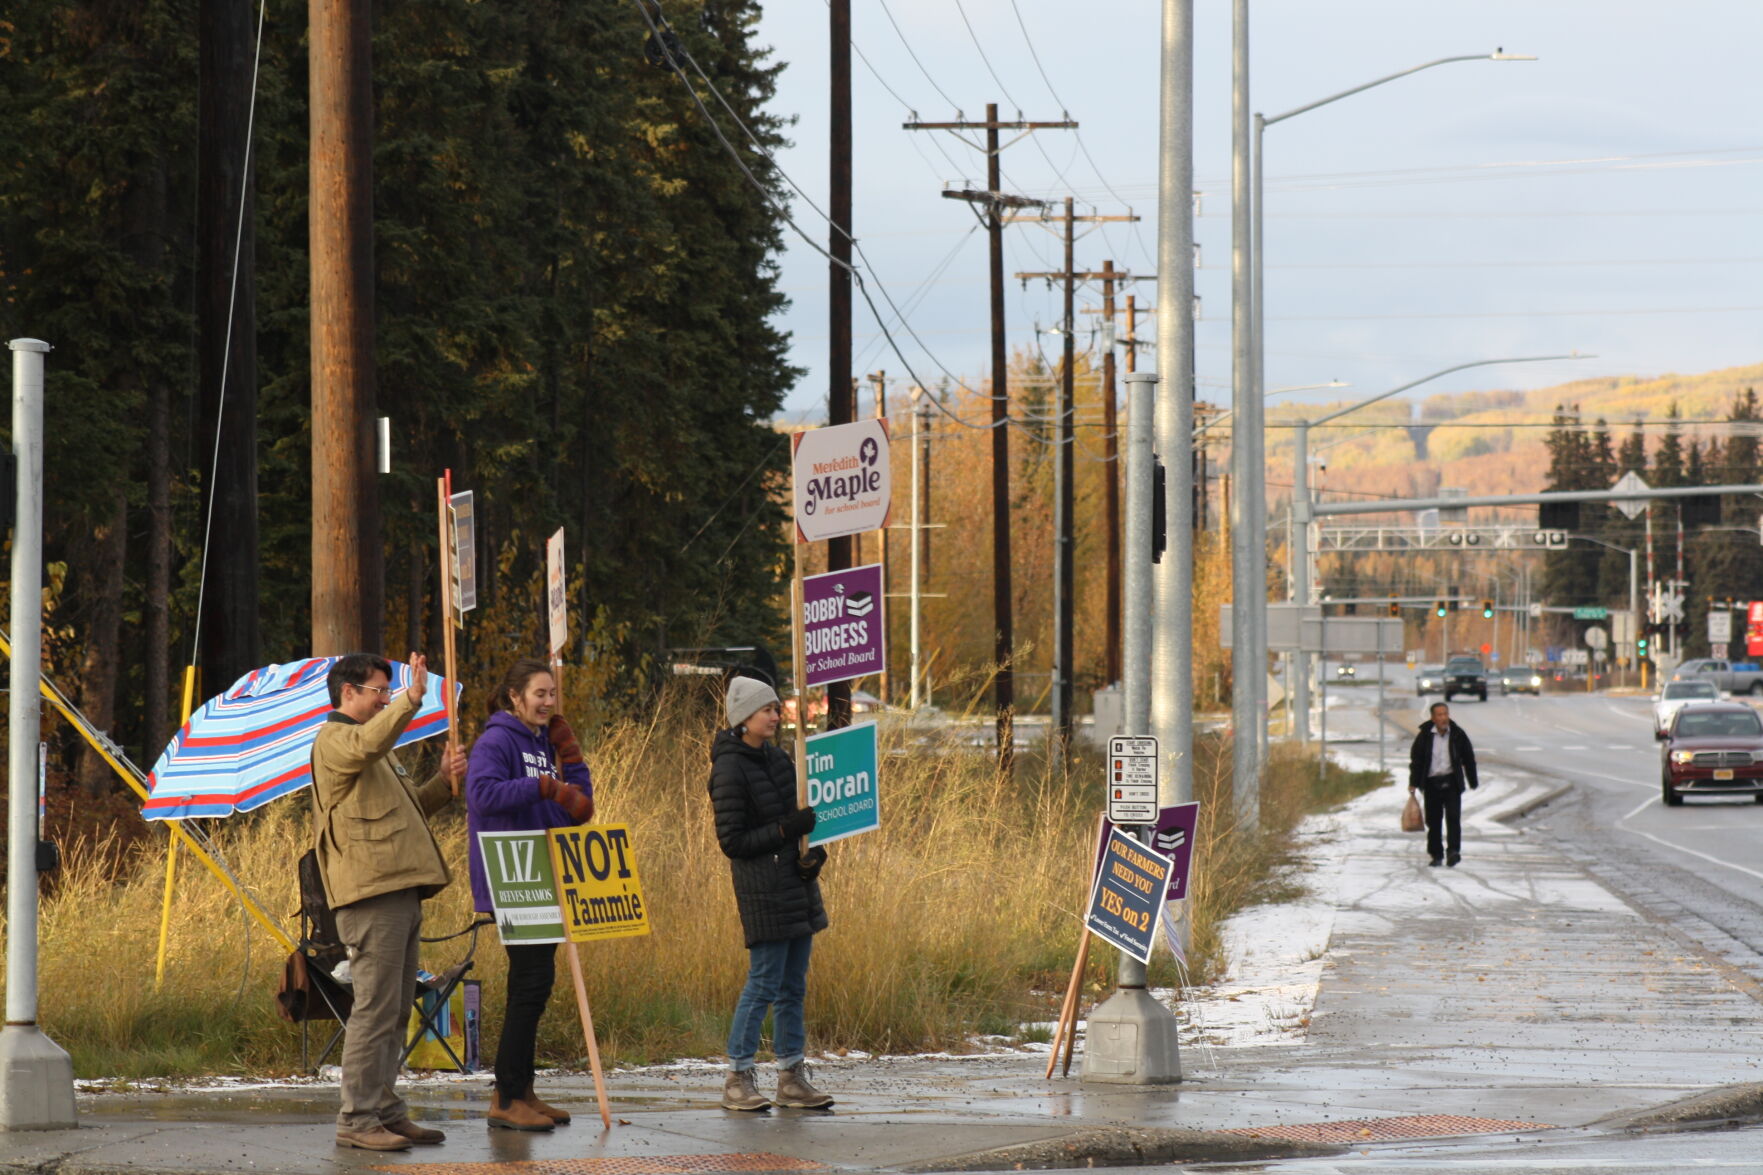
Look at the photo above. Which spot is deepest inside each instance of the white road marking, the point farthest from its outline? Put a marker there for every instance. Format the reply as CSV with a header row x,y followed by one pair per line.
x,y
1527,748
1574,748
1643,806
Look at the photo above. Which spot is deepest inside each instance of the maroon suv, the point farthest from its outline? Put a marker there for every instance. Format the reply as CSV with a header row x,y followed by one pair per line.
x,y
1715,749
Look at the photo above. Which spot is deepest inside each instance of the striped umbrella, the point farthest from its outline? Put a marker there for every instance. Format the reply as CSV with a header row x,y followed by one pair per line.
x,y
253,743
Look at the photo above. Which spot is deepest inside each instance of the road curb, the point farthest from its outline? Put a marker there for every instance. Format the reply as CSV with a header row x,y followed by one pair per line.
x,y
1528,806
1728,1105
1121,1146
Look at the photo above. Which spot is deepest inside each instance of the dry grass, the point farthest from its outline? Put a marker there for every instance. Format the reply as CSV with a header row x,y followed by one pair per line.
x,y
958,917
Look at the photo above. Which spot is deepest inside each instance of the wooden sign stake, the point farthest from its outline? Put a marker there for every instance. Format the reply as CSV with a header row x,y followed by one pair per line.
x,y
581,1004
1066,1030
444,490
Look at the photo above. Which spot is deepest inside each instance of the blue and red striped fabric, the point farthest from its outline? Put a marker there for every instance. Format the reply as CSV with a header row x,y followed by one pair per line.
x,y
253,743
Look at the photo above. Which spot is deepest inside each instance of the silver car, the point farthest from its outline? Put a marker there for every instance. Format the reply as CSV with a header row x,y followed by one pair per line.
x,y
1430,680
1674,697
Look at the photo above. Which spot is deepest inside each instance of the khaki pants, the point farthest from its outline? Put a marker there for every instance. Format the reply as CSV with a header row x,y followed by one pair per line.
x,y
382,935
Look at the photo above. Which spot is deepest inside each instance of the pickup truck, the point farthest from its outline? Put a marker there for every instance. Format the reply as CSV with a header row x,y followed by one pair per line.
x,y
1740,678
1465,675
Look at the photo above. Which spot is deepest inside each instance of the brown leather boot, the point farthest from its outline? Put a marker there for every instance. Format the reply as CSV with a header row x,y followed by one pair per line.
x,y
516,1115
560,1117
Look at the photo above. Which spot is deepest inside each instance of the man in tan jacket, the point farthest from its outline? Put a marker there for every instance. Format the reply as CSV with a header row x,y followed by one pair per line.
x,y
379,861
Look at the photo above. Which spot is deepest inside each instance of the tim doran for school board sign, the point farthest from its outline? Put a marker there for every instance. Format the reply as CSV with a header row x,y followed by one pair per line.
x,y
841,479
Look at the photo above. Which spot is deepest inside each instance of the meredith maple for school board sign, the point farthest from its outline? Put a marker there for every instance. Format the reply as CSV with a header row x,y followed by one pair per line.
x,y
841,480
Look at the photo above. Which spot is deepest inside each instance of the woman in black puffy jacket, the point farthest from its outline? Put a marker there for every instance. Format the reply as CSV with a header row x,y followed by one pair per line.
x,y
760,829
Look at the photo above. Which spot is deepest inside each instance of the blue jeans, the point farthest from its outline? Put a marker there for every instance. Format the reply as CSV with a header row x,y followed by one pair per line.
x,y
777,978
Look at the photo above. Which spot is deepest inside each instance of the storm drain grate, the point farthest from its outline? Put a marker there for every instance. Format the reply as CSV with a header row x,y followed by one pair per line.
x,y
628,1165
1385,1129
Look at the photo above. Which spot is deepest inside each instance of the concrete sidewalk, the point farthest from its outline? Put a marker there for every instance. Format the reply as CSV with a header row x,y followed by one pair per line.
x,y
1511,989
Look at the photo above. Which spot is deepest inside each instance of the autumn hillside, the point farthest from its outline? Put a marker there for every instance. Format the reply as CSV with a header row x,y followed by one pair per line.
x,y
1487,442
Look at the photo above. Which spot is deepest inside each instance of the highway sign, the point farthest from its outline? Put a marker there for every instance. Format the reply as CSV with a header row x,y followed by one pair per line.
x,y
1717,649
1719,626
1632,483
1596,638
1535,610
1593,613
1574,657
1132,780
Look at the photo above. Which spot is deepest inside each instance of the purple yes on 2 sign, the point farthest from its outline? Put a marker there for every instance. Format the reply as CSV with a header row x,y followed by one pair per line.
x,y
842,630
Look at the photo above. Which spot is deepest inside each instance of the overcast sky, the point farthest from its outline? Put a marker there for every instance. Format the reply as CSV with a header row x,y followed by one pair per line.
x,y
1605,198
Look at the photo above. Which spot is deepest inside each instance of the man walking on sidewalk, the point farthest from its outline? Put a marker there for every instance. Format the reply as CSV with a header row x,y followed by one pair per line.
x,y
1440,762
379,861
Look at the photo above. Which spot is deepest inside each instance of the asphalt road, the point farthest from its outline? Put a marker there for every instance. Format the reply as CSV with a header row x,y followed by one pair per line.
x,y
1698,867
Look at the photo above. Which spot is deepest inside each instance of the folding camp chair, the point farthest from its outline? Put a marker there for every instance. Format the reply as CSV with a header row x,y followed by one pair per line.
x,y
310,993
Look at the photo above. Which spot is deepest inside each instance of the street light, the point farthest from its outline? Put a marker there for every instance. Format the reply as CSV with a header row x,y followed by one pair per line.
x,y
1301,510
1229,412
1250,567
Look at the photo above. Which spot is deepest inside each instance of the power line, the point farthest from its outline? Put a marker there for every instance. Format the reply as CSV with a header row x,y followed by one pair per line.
x,y
910,52
982,56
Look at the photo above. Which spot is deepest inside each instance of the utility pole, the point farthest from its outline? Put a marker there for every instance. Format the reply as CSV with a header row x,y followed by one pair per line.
x,y
226,247
1172,648
880,380
1248,577
920,504
36,1074
1064,497
1111,479
993,200
841,389
347,575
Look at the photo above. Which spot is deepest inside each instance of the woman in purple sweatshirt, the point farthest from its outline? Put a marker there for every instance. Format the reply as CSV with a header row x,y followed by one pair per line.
x,y
527,773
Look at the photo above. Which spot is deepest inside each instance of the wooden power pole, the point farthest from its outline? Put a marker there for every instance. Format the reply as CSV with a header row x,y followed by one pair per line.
x,y
993,201
347,577
226,329
1064,495
841,390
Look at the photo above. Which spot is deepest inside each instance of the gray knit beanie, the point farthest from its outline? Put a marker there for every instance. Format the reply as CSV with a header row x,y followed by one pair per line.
x,y
746,697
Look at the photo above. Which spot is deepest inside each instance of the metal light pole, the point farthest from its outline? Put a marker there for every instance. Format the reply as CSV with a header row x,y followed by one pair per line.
x,y
1132,1038
1248,573
36,1074
1172,652
1255,538
1303,510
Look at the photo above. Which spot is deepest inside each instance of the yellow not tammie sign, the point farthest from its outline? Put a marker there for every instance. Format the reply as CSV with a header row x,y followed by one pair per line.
x,y
597,883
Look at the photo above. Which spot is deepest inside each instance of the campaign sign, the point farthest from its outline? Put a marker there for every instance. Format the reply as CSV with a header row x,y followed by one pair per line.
x,y
1173,836
840,478
841,783
464,569
602,896
842,629
523,888
556,600
1127,894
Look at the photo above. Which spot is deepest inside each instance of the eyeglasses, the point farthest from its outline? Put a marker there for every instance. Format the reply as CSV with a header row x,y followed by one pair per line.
x,y
378,689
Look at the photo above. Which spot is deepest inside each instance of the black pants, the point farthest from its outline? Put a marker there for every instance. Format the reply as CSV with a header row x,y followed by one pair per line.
x,y
532,969
1444,818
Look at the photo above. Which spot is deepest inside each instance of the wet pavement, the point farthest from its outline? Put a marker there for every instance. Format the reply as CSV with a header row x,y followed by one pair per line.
x,y
1515,988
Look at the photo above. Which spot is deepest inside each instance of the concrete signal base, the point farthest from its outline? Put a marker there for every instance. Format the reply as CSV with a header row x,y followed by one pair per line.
x,y
36,1081
1131,1040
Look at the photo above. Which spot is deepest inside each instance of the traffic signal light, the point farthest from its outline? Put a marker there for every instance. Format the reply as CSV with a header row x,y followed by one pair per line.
x,y
1395,608
1487,609
1440,610
1640,644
